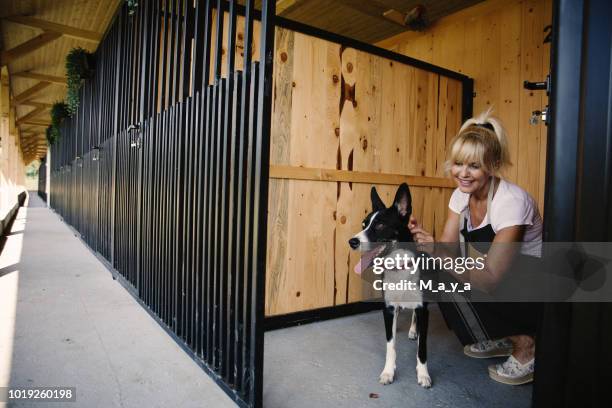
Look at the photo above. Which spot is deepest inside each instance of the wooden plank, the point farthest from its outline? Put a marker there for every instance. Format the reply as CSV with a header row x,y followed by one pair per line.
x,y
506,107
527,160
30,92
72,32
320,174
278,203
548,10
37,122
40,77
35,104
354,74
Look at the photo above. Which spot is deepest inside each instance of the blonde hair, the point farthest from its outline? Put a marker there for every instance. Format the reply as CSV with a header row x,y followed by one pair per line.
x,y
482,140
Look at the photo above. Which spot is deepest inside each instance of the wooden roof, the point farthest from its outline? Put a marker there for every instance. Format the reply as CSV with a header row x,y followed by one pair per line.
x,y
363,20
36,36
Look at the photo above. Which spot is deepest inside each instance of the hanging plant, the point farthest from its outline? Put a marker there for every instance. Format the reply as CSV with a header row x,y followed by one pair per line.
x,y
53,134
59,112
79,66
131,5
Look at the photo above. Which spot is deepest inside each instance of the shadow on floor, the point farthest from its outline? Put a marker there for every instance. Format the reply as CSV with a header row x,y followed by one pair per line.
x,y
336,363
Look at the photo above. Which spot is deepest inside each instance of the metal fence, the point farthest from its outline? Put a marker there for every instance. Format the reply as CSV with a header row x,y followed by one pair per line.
x,y
164,173
42,179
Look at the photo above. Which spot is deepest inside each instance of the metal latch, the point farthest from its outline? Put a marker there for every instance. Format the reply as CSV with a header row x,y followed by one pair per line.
x,y
538,115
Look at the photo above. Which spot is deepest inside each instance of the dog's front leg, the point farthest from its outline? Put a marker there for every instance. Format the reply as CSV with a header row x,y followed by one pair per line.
x,y
412,333
390,313
422,323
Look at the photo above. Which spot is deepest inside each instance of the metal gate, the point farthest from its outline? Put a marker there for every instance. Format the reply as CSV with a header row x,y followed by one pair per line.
x,y
164,172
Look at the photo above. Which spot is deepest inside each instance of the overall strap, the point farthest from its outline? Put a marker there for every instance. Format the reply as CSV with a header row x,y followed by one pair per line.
x,y
463,216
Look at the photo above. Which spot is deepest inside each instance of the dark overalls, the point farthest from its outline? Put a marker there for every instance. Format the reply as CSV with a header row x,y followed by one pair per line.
x,y
477,321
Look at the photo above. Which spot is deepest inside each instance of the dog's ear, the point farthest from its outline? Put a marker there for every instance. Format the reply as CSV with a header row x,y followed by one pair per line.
x,y
403,200
377,203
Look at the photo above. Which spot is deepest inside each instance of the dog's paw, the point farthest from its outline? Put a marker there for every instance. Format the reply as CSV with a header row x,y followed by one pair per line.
x,y
386,377
412,334
424,380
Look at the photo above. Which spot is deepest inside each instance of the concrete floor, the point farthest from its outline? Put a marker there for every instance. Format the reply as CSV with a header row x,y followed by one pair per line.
x,y
336,363
65,322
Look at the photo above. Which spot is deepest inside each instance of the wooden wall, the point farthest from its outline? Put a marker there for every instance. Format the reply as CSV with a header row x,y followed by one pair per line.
x,y
499,43
12,165
344,120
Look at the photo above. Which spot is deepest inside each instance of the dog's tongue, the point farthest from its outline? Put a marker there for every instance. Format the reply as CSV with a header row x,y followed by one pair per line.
x,y
366,260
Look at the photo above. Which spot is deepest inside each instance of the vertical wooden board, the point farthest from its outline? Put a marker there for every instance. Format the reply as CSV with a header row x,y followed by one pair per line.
x,y
510,86
399,153
307,282
239,48
531,69
453,111
280,145
419,121
434,163
548,9
394,141
420,48
448,46
371,99
354,75
254,43
472,57
315,114
278,195
442,119
490,57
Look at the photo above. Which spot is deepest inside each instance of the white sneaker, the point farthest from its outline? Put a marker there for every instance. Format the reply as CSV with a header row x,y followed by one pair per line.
x,y
489,348
512,372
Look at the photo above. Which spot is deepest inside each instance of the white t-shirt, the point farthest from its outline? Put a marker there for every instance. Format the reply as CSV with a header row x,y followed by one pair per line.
x,y
511,205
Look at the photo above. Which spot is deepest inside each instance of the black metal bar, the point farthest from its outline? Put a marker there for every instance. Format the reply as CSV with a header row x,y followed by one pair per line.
x,y
260,196
241,320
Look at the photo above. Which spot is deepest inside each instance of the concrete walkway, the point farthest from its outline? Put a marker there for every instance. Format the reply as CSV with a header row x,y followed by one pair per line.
x,y
65,322
336,363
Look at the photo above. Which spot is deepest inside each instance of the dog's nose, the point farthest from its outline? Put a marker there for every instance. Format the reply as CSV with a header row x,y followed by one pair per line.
x,y
354,243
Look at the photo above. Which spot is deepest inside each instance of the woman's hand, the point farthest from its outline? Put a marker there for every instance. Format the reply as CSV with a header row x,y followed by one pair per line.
x,y
423,239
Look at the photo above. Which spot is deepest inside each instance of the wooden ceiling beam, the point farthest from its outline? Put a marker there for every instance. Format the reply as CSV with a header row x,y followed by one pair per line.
x,y
68,31
40,77
30,137
28,46
283,5
28,93
32,122
30,145
30,115
35,104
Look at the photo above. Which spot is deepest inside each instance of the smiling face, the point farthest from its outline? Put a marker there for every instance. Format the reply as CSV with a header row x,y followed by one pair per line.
x,y
470,177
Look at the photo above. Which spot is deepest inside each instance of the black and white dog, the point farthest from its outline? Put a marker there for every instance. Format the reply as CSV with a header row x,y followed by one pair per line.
x,y
381,229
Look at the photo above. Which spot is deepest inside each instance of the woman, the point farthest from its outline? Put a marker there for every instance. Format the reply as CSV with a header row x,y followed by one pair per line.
x,y
485,208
